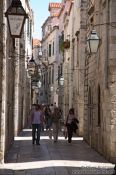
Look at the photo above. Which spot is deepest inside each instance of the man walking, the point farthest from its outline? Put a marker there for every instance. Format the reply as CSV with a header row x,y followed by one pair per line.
x,y
37,119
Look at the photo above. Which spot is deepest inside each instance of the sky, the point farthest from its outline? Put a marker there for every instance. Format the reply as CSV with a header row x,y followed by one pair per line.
x,y
40,9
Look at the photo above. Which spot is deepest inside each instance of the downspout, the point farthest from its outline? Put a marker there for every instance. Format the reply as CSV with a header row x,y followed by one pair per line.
x,y
106,46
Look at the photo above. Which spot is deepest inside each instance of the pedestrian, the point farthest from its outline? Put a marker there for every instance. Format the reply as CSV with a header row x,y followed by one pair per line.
x,y
71,124
47,117
37,120
48,120
55,123
43,117
30,113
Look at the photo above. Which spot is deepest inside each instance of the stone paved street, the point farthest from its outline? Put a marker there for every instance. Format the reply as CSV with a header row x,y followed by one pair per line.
x,y
51,158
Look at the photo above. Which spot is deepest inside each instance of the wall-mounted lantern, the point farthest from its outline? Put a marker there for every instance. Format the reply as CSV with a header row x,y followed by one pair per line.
x,y
93,42
61,81
51,88
39,84
16,16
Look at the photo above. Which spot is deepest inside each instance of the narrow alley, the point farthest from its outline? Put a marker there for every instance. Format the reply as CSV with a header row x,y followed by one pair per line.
x,y
49,158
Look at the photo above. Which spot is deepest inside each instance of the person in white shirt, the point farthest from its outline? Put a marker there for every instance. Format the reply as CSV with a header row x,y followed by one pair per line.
x,y
36,120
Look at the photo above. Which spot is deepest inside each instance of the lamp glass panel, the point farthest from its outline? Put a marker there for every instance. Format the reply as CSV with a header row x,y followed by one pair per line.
x,y
16,24
39,84
17,10
61,81
93,43
51,88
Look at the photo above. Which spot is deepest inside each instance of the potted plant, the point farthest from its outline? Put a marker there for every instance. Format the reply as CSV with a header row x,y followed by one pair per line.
x,y
66,44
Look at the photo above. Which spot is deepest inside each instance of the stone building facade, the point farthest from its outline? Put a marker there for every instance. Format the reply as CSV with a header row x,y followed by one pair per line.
x,y
2,54
71,65
50,56
100,80
14,84
23,52
36,82
74,15
78,59
67,64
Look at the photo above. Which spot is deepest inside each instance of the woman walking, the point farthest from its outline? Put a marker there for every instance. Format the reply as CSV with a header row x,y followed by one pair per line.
x,y
71,124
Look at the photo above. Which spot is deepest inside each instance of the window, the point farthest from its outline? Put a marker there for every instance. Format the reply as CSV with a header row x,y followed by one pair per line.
x,y
30,30
49,50
61,67
28,26
58,74
53,48
61,43
52,75
49,75
44,79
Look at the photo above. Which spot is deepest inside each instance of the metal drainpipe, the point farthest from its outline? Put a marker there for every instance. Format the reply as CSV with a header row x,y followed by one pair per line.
x,y
106,46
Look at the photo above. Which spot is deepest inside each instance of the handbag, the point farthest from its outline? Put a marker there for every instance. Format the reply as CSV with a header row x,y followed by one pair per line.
x,y
74,125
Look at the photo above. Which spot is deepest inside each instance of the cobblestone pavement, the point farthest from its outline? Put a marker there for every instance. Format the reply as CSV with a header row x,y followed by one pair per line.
x,y
49,158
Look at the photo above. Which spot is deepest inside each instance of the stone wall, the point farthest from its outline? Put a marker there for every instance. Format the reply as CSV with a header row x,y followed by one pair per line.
x,y
78,59
12,81
2,119
7,85
112,78
81,63
100,89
